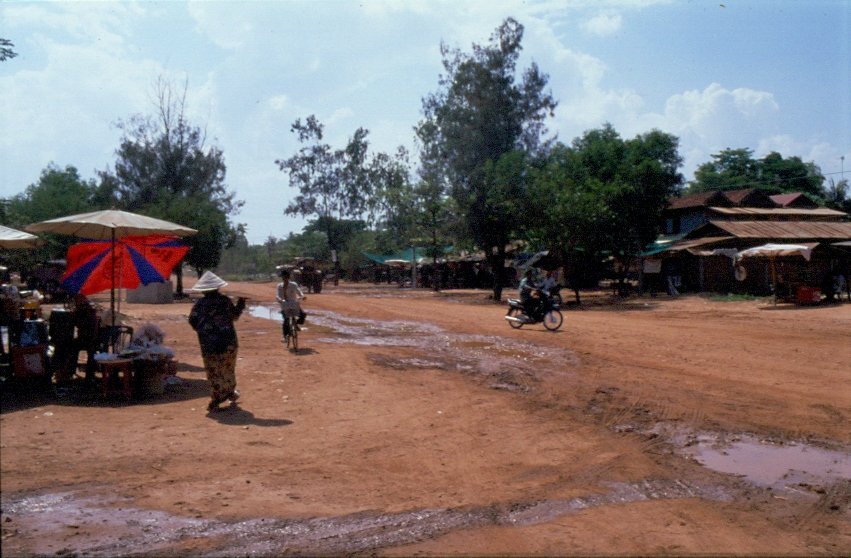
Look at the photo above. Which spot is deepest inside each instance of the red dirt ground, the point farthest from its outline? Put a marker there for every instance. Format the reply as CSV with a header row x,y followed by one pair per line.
x,y
439,430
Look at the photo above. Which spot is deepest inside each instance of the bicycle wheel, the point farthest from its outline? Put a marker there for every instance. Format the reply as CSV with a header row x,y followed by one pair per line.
x,y
294,335
514,312
553,319
287,331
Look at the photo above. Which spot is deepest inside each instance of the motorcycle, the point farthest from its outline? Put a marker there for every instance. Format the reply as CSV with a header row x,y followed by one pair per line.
x,y
546,311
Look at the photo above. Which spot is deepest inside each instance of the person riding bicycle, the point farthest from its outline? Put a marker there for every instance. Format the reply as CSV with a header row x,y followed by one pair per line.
x,y
289,295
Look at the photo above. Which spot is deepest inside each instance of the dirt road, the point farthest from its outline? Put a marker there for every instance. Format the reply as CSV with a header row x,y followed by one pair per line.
x,y
413,422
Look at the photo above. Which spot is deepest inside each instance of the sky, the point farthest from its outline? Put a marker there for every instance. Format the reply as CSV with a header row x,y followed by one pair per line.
x,y
767,75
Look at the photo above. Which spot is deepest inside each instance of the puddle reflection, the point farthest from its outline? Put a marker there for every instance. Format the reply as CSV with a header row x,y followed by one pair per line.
x,y
510,363
773,465
452,350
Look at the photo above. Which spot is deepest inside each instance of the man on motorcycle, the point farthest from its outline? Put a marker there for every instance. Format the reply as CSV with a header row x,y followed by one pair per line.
x,y
549,282
527,291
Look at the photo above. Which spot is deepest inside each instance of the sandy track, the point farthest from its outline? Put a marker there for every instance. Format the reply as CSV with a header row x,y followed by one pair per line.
x,y
419,422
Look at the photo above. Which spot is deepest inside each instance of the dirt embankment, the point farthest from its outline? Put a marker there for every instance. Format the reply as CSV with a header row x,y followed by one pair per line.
x,y
419,422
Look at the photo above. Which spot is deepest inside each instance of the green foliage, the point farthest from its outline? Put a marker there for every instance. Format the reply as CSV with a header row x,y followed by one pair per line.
x,y
345,189
6,50
58,192
165,170
602,195
436,220
392,207
735,169
837,195
480,114
331,183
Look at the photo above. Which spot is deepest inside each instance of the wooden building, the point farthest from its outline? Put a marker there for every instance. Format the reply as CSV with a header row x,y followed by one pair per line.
x,y
706,230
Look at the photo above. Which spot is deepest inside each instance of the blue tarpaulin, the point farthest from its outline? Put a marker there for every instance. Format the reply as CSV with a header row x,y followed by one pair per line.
x,y
407,255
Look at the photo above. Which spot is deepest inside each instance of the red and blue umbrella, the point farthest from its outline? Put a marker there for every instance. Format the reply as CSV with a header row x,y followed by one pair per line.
x,y
128,262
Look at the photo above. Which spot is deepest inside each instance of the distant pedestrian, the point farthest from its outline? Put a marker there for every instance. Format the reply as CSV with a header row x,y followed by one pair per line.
x,y
212,318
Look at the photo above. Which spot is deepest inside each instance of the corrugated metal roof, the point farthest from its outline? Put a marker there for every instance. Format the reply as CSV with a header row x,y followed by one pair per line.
x,y
700,199
793,199
737,196
787,230
780,211
695,242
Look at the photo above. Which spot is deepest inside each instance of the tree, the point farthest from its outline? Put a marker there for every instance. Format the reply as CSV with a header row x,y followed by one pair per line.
x,y
791,175
392,206
602,196
164,169
340,186
647,179
478,115
6,50
734,169
58,192
568,212
837,195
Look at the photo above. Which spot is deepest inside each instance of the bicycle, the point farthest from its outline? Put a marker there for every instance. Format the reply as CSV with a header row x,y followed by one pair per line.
x,y
290,329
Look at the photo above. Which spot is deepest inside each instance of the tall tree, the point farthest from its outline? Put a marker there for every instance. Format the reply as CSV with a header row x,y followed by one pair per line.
x,y
568,213
165,169
334,185
791,175
603,195
58,192
734,169
837,195
7,51
392,209
480,113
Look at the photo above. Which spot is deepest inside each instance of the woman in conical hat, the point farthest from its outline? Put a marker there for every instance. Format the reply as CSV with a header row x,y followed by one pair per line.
x,y
212,318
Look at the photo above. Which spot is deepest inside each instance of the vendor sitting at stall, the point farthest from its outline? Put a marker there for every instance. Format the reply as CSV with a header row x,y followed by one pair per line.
x,y
86,325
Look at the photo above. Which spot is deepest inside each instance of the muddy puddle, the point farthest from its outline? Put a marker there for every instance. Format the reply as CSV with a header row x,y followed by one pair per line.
x,y
515,366
70,524
789,466
505,363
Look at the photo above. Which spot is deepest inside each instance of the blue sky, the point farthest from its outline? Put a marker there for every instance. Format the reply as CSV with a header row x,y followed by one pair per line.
x,y
769,75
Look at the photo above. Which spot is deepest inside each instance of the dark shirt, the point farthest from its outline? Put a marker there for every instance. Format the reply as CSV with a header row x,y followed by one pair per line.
x,y
212,318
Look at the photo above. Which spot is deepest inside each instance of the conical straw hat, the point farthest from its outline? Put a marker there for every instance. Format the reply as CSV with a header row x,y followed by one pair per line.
x,y
209,282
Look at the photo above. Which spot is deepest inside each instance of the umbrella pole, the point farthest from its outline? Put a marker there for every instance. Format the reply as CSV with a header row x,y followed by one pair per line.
x,y
112,297
774,279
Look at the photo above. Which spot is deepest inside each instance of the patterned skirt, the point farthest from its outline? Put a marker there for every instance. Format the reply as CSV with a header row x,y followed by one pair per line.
x,y
221,372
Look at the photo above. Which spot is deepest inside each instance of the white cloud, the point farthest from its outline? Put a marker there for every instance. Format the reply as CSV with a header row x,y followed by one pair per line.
x,y
603,25
227,24
278,102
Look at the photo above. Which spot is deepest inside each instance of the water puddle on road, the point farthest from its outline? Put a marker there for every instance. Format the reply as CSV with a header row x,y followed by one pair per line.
x,y
510,364
66,523
786,466
495,357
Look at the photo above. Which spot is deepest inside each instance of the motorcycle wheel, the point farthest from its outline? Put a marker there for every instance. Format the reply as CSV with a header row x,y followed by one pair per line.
x,y
553,320
515,313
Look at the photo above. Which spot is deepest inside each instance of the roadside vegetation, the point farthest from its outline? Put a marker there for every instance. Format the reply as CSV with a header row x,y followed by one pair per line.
x,y
487,174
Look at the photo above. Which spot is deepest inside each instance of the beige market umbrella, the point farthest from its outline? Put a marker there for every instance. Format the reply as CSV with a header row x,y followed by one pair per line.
x,y
110,224
13,238
771,251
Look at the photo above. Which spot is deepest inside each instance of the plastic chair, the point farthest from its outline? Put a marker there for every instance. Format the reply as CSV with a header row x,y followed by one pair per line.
x,y
114,339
